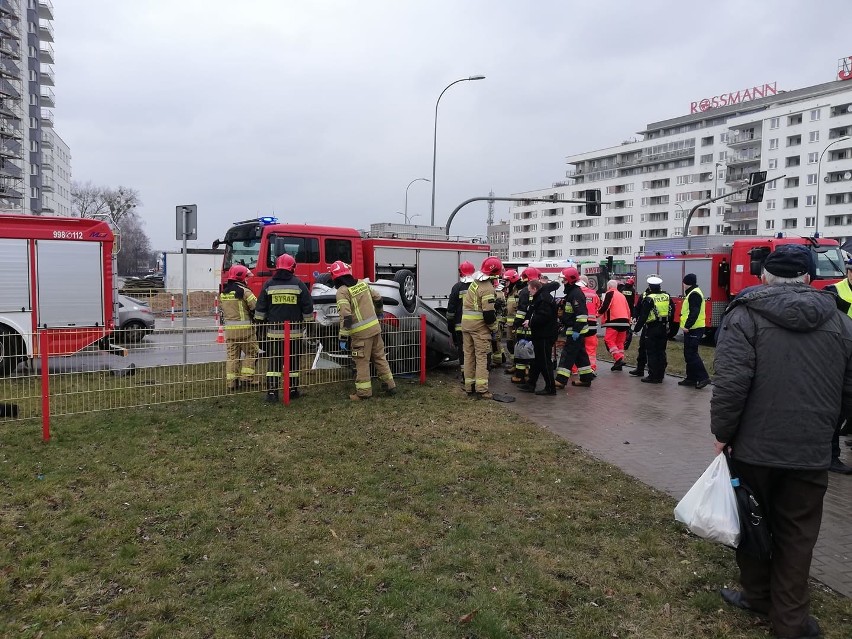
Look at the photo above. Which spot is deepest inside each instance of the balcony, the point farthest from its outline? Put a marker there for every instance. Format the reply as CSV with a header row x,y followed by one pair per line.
x,y
46,140
741,216
48,79
48,97
9,9
9,70
9,49
10,151
47,184
744,138
9,193
8,131
45,9
46,118
45,31
46,53
10,170
743,159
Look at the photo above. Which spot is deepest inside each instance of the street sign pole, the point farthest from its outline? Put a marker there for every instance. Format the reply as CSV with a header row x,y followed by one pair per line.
x,y
187,229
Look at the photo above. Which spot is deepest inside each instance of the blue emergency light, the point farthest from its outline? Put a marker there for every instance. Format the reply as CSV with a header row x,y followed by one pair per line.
x,y
267,220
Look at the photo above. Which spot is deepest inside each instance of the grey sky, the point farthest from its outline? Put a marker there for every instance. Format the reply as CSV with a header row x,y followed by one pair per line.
x,y
322,112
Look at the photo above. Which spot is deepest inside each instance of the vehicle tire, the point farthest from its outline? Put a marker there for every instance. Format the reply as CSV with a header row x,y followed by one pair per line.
x,y
11,351
133,331
323,278
407,288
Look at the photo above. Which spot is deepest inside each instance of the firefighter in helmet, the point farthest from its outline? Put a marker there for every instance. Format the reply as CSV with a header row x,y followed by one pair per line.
x,y
454,304
512,279
360,308
479,323
574,324
519,374
284,298
237,304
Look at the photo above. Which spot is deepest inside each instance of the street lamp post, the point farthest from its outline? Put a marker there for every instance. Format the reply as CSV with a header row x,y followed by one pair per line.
x,y
435,137
406,195
406,216
819,178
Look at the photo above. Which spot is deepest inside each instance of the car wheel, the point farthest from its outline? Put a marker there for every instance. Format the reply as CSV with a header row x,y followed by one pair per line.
x,y
407,288
323,278
133,331
11,350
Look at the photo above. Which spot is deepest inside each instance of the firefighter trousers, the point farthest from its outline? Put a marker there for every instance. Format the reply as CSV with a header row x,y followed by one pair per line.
x,y
275,366
239,342
574,353
366,350
477,347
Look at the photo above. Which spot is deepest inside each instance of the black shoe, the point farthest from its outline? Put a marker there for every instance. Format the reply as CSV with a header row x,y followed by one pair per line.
x,y
526,388
686,382
546,391
617,366
839,467
702,383
636,372
811,629
651,380
271,397
583,384
849,442
295,393
391,391
735,598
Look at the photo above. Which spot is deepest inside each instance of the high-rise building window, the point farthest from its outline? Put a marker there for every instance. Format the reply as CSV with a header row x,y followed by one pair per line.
x,y
814,136
813,158
815,114
774,123
773,144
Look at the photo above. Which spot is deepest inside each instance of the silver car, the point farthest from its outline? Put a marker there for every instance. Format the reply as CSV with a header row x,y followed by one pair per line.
x,y
135,320
400,327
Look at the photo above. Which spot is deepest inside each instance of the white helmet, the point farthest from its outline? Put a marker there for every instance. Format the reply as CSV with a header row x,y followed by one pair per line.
x,y
654,280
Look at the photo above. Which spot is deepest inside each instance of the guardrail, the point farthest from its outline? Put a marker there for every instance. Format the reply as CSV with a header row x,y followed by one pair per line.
x,y
160,367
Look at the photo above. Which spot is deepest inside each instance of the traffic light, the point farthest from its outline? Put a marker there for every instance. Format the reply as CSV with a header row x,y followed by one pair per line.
x,y
593,202
755,193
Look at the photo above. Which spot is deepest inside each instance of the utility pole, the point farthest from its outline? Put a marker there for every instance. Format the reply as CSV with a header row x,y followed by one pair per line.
x,y
490,218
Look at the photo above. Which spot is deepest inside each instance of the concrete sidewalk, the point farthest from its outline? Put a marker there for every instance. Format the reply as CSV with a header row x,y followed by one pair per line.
x,y
660,434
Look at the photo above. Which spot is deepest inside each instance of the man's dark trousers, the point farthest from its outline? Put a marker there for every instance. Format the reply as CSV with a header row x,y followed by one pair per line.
x,y
642,355
655,335
792,500
694,366
543,363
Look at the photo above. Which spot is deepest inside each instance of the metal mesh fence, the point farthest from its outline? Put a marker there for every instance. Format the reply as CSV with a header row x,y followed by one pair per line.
x,y
169,365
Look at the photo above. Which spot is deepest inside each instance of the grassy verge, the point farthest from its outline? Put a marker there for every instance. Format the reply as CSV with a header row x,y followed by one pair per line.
x,y
674,354
427,515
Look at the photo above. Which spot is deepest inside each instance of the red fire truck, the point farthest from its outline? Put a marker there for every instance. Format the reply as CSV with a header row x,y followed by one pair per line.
x,y
726,264
57,279
423,267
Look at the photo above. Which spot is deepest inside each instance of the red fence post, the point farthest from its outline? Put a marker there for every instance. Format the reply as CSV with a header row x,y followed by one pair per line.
x,y
285,374
422,349
45,387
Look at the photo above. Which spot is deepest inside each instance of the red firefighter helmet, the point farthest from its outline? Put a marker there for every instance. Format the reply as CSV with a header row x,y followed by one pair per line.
x,y
530,273
491,266
285,262
238,272
570,275
511,276
339,269
631,281
466,269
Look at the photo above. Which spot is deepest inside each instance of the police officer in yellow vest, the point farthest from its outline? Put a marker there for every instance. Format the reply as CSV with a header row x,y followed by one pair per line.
x,y
479,324
360,308
237,303
692,324
655,313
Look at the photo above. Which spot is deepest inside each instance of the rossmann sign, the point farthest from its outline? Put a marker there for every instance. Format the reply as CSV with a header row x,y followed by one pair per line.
x,y
726,99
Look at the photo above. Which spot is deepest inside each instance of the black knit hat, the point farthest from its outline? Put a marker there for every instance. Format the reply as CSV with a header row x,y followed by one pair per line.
x,y
690,280
789,260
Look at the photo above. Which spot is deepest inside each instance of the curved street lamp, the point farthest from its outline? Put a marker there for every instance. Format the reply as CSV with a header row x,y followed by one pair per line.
x,y
435,136
406,196
819,178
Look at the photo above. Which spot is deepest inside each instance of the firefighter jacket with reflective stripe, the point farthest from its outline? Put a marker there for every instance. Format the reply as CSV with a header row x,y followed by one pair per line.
x,y
284,298
844,292
575,316
358,306
454,305
521,314
615,311
237,303
478,307
692,308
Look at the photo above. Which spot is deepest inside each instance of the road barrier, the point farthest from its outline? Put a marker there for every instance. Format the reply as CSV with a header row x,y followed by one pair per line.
x,y
46,385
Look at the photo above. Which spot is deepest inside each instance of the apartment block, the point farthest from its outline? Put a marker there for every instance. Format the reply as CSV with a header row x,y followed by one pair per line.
x,y
650,184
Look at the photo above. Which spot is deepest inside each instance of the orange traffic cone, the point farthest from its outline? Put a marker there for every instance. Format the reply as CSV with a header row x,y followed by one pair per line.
x,y
220,336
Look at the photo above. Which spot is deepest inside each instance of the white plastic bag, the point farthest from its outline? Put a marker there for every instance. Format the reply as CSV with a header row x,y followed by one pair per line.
x,y
524,349
709,508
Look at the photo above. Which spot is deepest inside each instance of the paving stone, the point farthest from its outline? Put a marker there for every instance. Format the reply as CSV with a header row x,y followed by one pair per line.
x,y
668,427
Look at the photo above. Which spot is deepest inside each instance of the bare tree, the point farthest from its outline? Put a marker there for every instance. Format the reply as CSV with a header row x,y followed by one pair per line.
x,y
136,254
87,200
121,201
